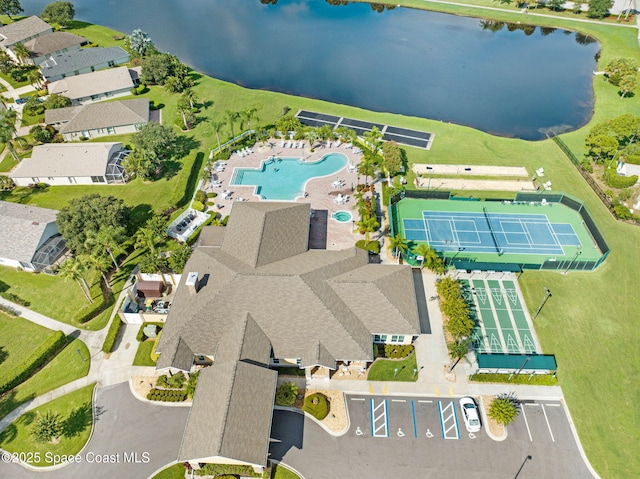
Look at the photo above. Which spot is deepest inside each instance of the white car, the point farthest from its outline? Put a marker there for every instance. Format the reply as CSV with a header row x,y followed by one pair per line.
x,y
470,414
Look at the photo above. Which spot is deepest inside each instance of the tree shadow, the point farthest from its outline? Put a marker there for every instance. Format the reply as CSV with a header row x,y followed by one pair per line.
x,y
3,354
9,434
193,178
154,106
27,418
183,145
8,402
207,104
139,214
79,419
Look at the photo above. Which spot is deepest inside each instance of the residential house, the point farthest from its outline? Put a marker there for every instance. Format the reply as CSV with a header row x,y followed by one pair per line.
x,y
99,119
53,44
257,296
84,60
30,239
59,164
21,32
96,86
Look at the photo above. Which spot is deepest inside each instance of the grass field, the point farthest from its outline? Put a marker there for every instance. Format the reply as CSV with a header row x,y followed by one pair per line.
x,y
68,365
384,370
75,411
172,472
589,323
143,354
281,472
18,337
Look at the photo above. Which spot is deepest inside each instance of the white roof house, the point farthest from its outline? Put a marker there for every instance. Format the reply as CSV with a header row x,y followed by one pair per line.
x,y
72,164
30,238
95,86
22,31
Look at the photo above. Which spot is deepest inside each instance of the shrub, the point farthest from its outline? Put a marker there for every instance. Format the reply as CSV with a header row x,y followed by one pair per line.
x,y
397,351
633,159
587,165
36,359
536,379
612,179
212,194
112,335
225,220
223,155
504,409
317,405
625,194
622,212
200,196
219,470
198,206
286,394
372,246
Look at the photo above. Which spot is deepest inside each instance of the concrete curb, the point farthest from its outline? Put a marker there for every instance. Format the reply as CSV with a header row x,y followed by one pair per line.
x,y
286,466
309,416
157,471
577,439
485,420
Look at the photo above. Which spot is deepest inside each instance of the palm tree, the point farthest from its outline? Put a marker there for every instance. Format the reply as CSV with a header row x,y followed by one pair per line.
x,y
72,269
430,258
232,116
109,238
372,138
184,108
368,224
247,115
190,96
21,52
217,127
311,135
101,264
145,238
8,131
457,351
399,244
35,79
366,168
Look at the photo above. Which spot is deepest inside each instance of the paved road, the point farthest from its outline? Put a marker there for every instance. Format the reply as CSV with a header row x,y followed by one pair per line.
x,y
124,425
403,449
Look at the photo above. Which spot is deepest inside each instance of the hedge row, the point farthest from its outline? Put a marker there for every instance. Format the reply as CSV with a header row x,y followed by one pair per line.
x,y
536,379
97,308
218,470
612,179
40,356
112,335
167,395
392,351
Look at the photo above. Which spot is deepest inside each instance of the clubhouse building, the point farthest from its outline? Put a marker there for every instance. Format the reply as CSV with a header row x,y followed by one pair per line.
x,y
254,296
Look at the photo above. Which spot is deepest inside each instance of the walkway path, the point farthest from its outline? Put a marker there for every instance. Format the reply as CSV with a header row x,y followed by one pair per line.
x,y
105,369
15,94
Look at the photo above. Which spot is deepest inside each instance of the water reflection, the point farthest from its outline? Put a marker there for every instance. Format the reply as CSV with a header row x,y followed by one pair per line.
x,y
506,78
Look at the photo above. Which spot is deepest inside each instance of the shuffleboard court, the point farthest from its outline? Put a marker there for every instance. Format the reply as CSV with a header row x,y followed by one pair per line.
x,y
501,325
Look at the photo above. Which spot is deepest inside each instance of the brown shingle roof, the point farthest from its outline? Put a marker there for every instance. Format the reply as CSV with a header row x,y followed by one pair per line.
x,y
53,42
19,31
100,115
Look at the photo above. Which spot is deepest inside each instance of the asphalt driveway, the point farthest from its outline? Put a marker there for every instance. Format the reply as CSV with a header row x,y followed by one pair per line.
x,y
131,439
425,438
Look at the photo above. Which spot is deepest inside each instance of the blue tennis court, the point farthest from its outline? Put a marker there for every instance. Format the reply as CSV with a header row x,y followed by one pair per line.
x,y
491,232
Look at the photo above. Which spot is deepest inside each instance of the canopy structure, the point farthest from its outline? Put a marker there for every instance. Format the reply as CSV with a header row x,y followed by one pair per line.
x,y
49,252
115,171
526,363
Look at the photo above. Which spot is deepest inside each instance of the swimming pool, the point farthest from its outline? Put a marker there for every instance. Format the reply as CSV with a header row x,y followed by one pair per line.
x,y
285,178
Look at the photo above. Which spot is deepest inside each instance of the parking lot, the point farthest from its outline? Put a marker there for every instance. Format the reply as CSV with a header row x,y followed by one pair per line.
x,y
425,437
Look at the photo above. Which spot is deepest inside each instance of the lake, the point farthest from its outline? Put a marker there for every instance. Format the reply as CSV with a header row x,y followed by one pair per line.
x,y
506,79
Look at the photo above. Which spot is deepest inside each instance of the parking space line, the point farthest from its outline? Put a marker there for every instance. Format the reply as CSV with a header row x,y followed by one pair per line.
x,y
357,399
524,416
448,415
548,425
381,418
422,400
413,413
552,405
398,400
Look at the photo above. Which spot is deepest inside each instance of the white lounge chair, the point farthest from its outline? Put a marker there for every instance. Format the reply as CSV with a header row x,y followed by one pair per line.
x,y
282,144
328,144
337,145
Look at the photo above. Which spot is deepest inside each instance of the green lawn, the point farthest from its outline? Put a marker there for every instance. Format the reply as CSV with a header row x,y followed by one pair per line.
x,y
75,411
51,295
172,472
18,338
384,370
588,323
143,354
281,472
68,365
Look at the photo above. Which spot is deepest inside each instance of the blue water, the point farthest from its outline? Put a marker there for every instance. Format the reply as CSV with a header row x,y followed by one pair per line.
x,y
285,178
508,79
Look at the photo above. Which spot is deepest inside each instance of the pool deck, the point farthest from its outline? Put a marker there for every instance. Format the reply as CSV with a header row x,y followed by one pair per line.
x,y
319,191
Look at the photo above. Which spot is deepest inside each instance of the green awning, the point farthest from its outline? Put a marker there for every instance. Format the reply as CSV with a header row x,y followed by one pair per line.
x,y
516,362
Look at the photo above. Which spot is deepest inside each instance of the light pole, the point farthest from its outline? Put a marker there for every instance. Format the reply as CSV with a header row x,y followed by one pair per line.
x,y
578,253
528,458
444,255
454,256
83,359
547,295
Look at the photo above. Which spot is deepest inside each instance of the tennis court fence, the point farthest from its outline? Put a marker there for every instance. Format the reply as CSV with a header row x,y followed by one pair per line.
x,y
460,262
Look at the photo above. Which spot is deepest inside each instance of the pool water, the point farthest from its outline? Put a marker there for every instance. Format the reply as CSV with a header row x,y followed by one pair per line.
x,y
342,216
285,178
